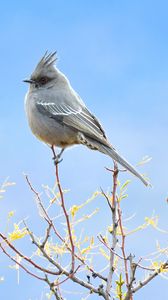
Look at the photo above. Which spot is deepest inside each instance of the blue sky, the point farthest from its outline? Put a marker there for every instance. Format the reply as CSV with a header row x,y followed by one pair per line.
x,y
115,56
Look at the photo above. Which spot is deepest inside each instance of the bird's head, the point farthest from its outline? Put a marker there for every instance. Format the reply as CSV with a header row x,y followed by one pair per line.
x,y
45,74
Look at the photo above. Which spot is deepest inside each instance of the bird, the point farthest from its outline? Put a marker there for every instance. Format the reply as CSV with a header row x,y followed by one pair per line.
x,y
58,116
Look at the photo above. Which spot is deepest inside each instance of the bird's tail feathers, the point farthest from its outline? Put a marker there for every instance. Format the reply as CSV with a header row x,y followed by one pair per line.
x,y
108,150
114,155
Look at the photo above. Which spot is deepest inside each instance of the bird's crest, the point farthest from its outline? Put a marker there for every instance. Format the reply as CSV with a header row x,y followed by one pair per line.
x,y
47,60
45,65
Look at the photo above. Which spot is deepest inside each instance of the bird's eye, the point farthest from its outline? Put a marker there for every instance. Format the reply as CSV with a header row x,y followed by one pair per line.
x,y
43,80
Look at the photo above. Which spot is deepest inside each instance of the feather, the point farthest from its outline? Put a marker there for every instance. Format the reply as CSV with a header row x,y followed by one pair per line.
x,y
47,60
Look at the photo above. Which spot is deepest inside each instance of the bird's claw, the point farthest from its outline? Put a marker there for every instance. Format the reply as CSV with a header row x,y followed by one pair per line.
x,y
57,160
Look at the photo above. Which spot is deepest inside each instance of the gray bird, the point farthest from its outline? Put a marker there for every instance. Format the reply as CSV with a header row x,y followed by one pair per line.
x,y
57,115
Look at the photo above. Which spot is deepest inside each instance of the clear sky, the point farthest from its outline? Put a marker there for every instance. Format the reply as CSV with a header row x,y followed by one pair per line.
x,y
115,54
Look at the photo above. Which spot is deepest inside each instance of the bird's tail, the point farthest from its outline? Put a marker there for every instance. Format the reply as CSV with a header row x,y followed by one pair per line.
x,y
114,155
110,151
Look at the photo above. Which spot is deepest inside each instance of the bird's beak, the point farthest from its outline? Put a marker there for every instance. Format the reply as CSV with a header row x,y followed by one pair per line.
x,y
29,81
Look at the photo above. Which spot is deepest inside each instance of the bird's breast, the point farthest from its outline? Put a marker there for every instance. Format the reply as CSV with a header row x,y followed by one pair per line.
x,y
46,128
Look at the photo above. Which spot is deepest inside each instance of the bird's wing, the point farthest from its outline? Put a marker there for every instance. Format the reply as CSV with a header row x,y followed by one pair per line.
x,y
77,117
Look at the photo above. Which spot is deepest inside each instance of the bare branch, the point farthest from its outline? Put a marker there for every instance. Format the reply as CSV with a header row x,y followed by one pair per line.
x,y
123,242
107,198
61,274
47,235
29,260
41,207
50,222
65,213
133,267
150,277
66,273
20,265
54,290
102,240
114,233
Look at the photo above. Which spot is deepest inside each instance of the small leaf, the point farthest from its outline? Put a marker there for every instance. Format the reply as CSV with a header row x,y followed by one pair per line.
x,y
125,184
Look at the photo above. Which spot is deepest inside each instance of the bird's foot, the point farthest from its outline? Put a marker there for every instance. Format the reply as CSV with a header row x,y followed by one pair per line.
x,y
57,159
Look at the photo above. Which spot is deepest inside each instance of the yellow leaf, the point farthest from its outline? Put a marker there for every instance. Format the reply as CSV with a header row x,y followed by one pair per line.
x,y
104,253
74,210
92,240
153,221
110,229
10,214
17,233
84,250
124,186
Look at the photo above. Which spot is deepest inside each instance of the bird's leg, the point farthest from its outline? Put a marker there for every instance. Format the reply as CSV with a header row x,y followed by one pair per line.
x,y
58,160
57,157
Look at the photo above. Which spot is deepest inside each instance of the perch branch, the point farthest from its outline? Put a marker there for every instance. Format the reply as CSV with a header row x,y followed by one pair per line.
x,y
65,213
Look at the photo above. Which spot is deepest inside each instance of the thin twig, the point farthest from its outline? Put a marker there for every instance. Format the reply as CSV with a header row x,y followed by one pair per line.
x,y
29,260
133,267
150,277
114,233
47,235
49,221
20,265
107,198
67,278
94,273
123,243
53,290
65,272
44,212
65,214
102,240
